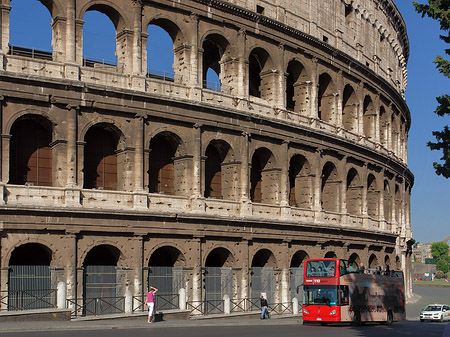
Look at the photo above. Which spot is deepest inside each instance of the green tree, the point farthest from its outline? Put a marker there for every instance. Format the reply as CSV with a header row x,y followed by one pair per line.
x,y
439,250
440,10
443,264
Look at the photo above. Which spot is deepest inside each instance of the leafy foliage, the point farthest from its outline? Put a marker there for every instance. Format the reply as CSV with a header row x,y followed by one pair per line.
x,y
439,250
443,264
440,10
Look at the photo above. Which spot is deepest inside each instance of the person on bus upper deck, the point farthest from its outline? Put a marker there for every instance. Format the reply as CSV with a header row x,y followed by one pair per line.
x,y
332,271
362,270
387,270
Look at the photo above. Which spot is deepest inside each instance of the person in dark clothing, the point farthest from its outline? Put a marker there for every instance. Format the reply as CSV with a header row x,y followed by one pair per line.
x,y
264,305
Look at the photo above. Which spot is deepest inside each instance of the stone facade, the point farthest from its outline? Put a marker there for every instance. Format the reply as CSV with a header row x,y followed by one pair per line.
x,y
302,153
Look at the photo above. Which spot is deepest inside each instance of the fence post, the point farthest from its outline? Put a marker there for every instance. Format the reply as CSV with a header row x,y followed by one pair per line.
x,y
128,301
182,301
61,295
295,306
226,304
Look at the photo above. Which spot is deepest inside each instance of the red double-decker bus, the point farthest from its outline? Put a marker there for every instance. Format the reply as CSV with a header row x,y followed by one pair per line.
x,y
337,290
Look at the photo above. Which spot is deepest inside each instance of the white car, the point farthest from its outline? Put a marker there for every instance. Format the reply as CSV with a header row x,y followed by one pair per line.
x,y
435,312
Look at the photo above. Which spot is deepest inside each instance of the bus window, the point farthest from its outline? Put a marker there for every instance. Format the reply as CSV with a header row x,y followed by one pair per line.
x,y
344,293
321,268
320,294
346,267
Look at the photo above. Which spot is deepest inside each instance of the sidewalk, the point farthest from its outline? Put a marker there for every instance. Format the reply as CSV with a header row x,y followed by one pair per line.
x,y
112,322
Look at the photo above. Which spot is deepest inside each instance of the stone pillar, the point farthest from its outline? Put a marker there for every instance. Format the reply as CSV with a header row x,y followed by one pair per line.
x,y
4,12
139,129
71,267
71,156
80,154
197,162
197,274
284,164
243,65
137,34
6,140
314,90
245,140
245,272
124,51
61,295
317,183
1,141
285,276
72,68
196,67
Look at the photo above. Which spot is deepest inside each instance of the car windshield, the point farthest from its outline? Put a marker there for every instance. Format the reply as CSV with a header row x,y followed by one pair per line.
x,y
433,308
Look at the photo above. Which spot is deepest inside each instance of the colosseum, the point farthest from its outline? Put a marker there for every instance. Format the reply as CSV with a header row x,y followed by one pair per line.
x,y
114,177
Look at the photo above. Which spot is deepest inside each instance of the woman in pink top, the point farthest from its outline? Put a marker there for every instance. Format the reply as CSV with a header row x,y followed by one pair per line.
x,y
151,303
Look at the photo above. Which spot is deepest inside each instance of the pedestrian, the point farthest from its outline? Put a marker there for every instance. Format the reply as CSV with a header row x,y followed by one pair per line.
x,y
264,312
151,304
446,331
362,270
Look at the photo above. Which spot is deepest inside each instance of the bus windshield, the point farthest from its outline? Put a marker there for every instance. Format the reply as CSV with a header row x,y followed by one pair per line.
x,y
322,295
321,268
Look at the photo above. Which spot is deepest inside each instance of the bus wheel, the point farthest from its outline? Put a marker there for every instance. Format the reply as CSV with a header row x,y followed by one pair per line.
x,y
390,318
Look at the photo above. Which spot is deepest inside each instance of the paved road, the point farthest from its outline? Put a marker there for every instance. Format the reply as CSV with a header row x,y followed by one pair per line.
x,y
281,328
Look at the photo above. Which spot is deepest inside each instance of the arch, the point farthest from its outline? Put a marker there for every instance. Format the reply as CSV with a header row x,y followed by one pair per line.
x,y
387,261
219,257
373,193
326,101
164,148
384,127
398,204
167,256
330,255
102,255
350,109
36,18
373,261
264,258
31,158
101,158
300,182
261,188
31,254
217,183
298,259
369,118
354,192
355,258
330,188
110,9
215,48
260,83
170,27
398,264
297,95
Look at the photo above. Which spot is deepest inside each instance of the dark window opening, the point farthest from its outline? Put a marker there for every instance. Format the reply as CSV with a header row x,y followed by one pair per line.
x,y
259,9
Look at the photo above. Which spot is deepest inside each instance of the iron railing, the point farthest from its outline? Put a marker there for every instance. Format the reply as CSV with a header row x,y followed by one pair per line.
x,y
30,52
162,302
96,306
15,300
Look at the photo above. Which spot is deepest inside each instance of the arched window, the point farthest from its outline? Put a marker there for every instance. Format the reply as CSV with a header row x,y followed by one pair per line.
x,y
100,158
99,26
326,98
300,182
387,202
330,188
214,48
384,127
161,173
160,57
296,87
372,197
219,183
32,17
369,118
31,154
350,109
262,189
354,192
260,83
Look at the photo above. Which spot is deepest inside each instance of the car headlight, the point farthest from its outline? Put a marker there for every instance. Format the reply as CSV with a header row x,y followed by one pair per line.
x,y
305,311
333,312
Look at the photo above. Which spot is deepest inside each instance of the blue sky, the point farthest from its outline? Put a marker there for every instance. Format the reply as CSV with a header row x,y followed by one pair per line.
x,y
30,27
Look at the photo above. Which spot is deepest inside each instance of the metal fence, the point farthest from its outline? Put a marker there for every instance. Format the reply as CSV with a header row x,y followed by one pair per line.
x,y
162,302
296,283
96,306
262,281
218,282
30,287
30,52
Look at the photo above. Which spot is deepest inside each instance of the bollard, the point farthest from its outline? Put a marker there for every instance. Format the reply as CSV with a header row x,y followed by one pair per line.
x,y
182,302
128,302
61,295
226,304
295,306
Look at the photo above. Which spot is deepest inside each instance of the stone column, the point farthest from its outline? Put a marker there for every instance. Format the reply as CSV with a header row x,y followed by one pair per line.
x,y
196,67
285,275
137,34
245,140
72,68
71,266
314,90
72,128
80,155
197,274
5,10
140,199
284,164
243,65
197,162
6,140
317,184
